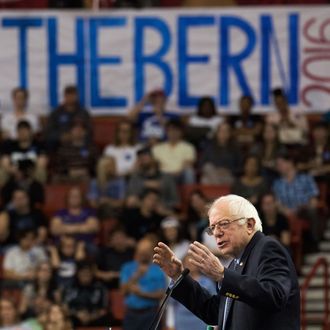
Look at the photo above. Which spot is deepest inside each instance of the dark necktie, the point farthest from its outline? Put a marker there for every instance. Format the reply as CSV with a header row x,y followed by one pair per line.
x,y
229,300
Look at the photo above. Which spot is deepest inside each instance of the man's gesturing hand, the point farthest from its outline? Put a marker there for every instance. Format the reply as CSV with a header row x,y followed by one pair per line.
x,y
166,259
206,261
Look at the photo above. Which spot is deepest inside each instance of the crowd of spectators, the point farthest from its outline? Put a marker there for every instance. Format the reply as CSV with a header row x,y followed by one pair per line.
x,y
59,263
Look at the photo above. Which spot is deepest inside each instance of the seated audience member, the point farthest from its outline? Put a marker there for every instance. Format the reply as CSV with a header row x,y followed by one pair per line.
x,y
150,115
292,126
21,216
176,156
65,116
118,249
318,151
23,178
24,148
9,317
76,158
148,176
64,259
57,319
10,120
221,159
145,218
296,193
21,261
204,123
274,223
143,284
251,185
107,192
267,150
38,296
172,235
124,149
86,299
247,126
183,318
76,219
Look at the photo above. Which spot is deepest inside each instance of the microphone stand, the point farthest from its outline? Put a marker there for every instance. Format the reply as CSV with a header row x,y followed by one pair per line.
x,y
156,320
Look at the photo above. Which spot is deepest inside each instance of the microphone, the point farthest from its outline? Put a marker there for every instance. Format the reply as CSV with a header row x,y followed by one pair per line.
x,y
156,320
185,272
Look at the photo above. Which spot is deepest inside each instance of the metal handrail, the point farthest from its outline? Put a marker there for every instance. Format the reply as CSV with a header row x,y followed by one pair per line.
x,y
321,262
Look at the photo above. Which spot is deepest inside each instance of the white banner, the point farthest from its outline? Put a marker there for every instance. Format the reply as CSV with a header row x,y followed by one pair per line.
x,y
116,57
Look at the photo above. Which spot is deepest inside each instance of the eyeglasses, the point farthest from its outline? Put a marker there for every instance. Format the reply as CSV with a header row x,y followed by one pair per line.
x,y
221,225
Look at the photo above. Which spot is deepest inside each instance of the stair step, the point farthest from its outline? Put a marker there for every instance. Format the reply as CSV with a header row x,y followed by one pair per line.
x,y
324,246
317,281
314,327
315,306
311,258
315,294
305,269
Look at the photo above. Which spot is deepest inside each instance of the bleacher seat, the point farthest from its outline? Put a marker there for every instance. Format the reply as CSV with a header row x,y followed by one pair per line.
x,y
116,302
104,129
55,195
210,191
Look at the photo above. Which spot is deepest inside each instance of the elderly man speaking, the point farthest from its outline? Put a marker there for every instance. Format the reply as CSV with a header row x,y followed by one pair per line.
x,y
258,291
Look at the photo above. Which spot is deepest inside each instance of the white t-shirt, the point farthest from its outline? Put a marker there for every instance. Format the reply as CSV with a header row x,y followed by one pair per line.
x,y
212,123
9,123
125,157
21,261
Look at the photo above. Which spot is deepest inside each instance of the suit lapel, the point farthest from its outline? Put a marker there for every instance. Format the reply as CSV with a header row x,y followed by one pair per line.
x,y
254,240
239,269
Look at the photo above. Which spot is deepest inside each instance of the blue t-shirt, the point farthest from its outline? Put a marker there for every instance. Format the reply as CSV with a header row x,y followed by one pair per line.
x,y
114,188
153,280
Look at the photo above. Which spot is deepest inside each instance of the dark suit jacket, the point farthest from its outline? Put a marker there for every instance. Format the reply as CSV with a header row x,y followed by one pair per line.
x,y
264,289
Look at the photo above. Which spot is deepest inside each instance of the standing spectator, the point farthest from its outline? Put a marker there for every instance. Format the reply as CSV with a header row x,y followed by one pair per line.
x,y
64,259
107,192
151,116
292,126
274,223
38,296
23,178
118,249
123,151
76,157
176,156
148,176
143,285
10,120
21,261
57,319
67,114
247,126
204,123
86,299
76,219
25,148
145,218
183,318
221,159
251,185
21,216
296,194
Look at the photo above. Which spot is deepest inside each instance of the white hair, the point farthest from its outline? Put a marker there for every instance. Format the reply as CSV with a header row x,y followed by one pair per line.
x,y
238,207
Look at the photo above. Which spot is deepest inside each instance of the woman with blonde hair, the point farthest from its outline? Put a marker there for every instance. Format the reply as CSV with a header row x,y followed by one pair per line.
x,y
57,319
